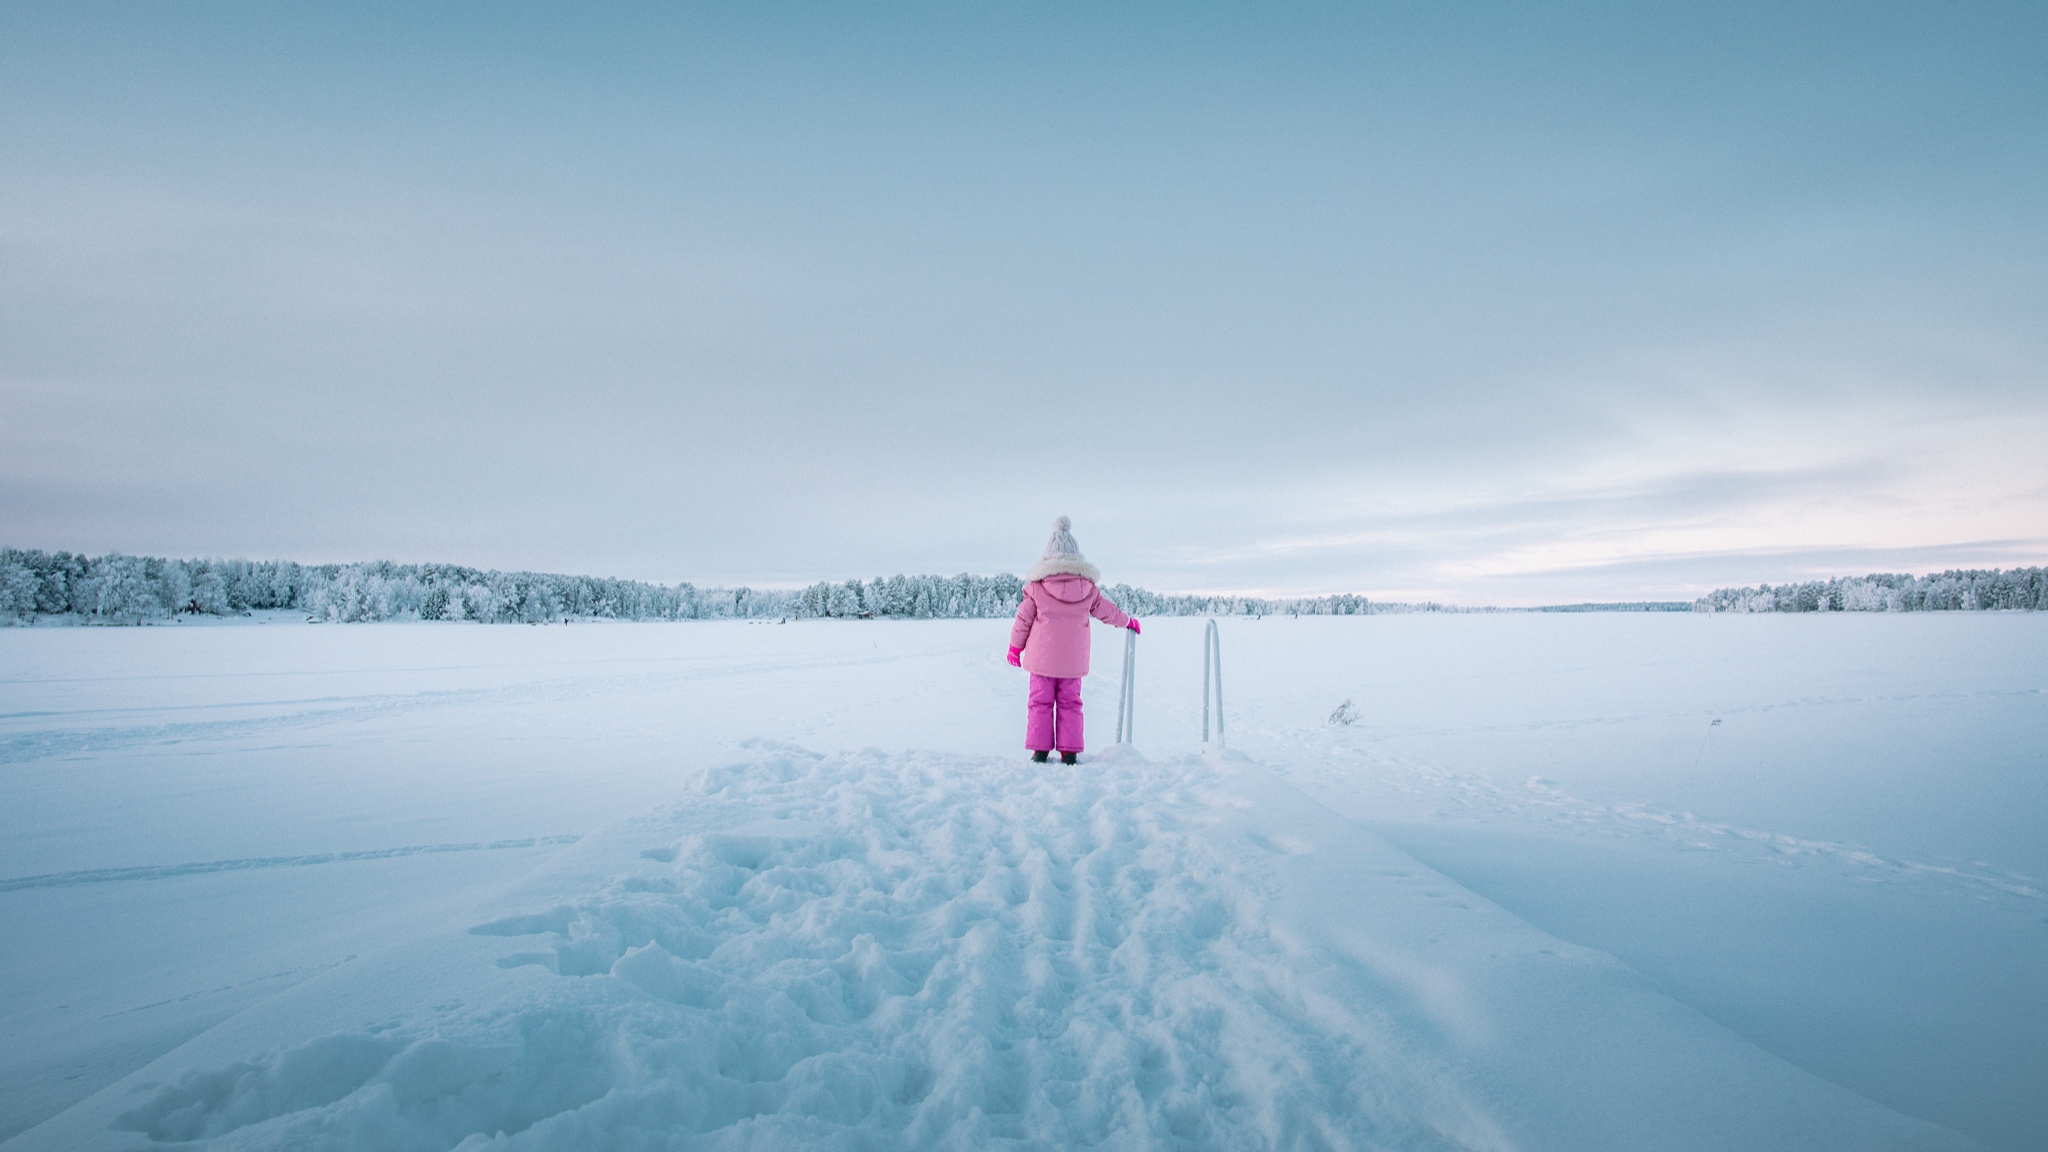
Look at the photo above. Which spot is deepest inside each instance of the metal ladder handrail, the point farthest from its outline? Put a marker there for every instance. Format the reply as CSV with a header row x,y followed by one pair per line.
x,y
1127,696
1212,657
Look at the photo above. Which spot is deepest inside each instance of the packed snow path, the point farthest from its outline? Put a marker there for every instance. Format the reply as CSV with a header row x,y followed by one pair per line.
x,y
928,951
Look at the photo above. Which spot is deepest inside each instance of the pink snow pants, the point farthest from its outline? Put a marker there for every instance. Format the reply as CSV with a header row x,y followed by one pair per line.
x,y
1053,720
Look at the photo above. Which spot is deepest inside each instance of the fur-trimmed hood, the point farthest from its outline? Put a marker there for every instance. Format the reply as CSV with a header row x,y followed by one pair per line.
x,y
1062,566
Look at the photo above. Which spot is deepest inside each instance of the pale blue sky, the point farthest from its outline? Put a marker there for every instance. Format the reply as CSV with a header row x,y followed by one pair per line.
x,y
1492,304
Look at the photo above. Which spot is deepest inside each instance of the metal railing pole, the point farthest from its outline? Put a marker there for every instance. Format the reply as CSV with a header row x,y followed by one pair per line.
x,y
1127,697
1205,680
1212,668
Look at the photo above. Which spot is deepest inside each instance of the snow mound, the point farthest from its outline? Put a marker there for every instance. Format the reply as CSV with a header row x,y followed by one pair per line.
x,y
915,952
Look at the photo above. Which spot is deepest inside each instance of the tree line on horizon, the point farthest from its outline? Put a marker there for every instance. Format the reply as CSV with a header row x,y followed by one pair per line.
x,y
121,589
1956,590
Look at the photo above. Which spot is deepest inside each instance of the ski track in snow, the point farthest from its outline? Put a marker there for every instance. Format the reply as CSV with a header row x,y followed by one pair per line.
x,y
314,712
245,864
1468,797
915,951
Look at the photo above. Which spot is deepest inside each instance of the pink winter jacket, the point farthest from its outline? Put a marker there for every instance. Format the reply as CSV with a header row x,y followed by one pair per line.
x,y
1052,623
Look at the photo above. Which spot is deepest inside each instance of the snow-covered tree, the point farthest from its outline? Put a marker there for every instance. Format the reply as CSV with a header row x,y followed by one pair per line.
x,y
18,586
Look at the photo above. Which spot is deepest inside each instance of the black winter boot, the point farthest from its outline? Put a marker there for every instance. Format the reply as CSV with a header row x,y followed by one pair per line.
x,y
1040,756
1070,757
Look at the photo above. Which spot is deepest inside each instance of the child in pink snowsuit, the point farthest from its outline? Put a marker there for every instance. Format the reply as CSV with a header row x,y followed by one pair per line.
x,y
1050,640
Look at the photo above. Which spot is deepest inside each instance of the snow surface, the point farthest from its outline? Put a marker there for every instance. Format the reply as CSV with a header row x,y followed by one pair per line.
x,y
757,885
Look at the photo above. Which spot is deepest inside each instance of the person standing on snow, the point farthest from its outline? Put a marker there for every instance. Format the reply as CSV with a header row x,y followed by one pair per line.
x,y
1050,641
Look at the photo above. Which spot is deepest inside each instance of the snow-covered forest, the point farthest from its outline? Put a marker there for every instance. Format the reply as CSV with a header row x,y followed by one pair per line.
x,y
118,589
1967,590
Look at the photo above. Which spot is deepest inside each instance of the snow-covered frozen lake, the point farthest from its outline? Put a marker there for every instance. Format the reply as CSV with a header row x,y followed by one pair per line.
x,y
1568,881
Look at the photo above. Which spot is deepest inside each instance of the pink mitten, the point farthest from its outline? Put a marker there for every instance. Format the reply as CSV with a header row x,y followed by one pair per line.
x,y
1133,626
1014,662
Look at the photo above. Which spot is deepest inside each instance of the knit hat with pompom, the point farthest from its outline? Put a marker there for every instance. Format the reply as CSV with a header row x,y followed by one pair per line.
x,y
1063,555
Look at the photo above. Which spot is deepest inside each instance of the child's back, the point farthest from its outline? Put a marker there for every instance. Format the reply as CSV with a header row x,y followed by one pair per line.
x,y
1050,640
1052,623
